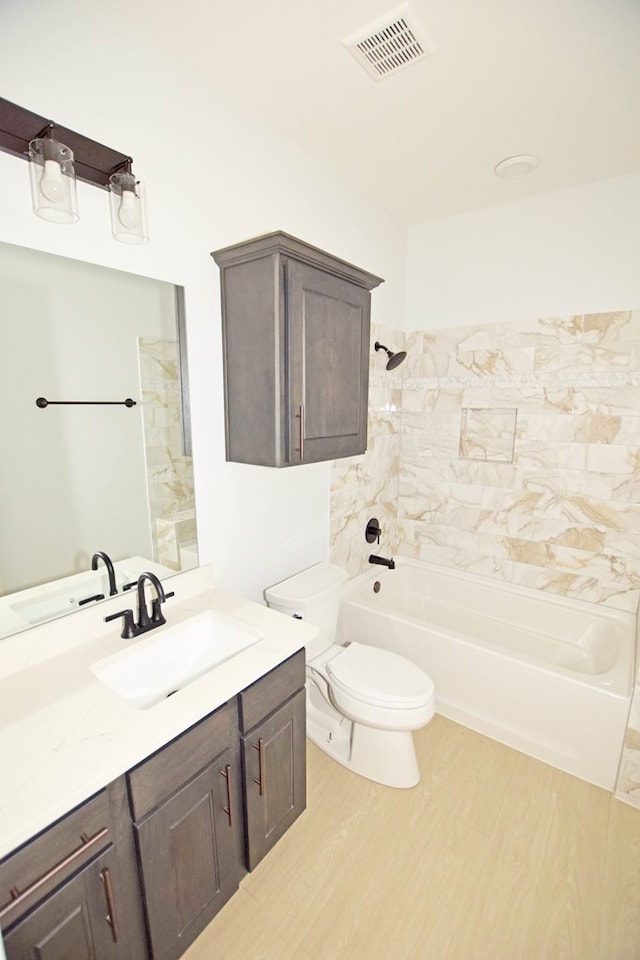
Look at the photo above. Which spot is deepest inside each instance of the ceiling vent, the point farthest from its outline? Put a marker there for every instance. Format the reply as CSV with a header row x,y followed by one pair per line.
x,y
390,43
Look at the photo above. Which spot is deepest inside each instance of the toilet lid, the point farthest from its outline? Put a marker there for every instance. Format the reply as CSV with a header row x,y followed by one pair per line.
x,y
379,677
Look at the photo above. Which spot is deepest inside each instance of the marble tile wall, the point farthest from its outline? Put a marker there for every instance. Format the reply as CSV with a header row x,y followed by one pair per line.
x,y
169,471
560,512
510,450
367,486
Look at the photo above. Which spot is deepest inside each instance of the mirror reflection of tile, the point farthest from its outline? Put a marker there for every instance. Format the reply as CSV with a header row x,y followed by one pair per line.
x,y
487,434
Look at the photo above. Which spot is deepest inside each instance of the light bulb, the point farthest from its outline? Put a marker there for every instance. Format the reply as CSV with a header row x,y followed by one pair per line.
x,y
129,210
126,200
52,182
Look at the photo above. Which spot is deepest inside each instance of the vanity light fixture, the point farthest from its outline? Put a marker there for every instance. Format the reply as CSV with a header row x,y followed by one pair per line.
x,y
57,156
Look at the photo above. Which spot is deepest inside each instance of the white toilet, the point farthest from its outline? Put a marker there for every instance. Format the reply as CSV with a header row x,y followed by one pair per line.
x,y
362,702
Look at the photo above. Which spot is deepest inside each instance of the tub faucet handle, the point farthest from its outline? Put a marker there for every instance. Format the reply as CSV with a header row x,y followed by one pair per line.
x,y
373,531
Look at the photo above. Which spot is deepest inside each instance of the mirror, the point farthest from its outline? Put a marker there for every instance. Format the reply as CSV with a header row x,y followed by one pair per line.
x,y
85,471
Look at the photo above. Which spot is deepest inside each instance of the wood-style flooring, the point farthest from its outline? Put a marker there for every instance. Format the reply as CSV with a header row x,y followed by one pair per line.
x,y
493,856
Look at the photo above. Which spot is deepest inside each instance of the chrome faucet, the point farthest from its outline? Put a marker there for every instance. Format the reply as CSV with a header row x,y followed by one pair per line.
x,y
382,561
145,622
100,555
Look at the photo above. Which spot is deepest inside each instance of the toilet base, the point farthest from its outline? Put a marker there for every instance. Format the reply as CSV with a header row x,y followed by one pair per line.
x,y
385,756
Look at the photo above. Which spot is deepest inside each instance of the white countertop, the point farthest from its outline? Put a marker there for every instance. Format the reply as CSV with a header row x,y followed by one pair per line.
x,y
64,734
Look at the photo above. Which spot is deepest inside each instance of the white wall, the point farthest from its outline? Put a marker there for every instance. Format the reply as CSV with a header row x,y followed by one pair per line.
x,y
213,177
569,252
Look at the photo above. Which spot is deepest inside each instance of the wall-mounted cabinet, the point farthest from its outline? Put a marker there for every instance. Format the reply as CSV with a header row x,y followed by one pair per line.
x,y
295,326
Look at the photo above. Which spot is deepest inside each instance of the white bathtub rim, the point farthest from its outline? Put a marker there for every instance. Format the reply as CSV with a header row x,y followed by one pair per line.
x,y
617,681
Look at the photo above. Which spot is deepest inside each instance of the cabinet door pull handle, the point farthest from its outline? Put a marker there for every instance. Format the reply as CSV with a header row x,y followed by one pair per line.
x,y
260,778
226,773
17,897
111,918
300,415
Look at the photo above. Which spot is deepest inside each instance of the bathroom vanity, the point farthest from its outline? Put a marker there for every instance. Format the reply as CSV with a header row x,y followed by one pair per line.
x,y
161,817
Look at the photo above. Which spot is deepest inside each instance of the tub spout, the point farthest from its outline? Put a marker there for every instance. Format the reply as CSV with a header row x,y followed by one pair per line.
x,y
382,561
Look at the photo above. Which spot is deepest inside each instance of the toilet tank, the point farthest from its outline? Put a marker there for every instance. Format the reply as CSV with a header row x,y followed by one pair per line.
x,y
312,595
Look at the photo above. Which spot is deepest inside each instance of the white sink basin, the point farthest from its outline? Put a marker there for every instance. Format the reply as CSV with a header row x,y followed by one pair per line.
x,y
161,663
53,604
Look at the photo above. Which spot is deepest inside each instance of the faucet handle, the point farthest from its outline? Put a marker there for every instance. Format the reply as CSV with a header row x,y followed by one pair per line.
x,y
373,530
128,627
96,596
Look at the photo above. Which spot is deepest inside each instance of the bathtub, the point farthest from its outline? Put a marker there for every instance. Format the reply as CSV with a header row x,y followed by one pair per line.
x,y
547,675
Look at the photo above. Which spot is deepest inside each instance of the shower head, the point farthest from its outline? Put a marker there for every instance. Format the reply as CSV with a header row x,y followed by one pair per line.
x,y
395,359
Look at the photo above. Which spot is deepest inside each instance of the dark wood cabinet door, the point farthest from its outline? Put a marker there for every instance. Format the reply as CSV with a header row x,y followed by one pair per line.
x,y
84,920
328,349
188,859
274,765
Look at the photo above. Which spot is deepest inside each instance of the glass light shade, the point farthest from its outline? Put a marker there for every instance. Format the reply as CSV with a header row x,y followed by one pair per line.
x,y
128,209
53,181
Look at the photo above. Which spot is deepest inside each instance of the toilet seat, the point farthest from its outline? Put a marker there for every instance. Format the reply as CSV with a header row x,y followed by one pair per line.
x,y
379,678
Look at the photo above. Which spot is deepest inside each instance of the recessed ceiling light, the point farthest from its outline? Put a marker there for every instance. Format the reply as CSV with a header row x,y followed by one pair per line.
x,y
515,167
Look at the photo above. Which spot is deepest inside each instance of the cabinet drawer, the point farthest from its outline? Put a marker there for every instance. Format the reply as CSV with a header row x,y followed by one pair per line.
x,y
34,870
158,777
270,692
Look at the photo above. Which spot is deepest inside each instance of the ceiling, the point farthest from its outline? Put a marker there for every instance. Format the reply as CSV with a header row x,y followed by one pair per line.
x,y
559,79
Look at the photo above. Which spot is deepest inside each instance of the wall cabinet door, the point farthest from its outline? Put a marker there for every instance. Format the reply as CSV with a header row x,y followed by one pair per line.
x,y
274,765
328,347
83,920
295,323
